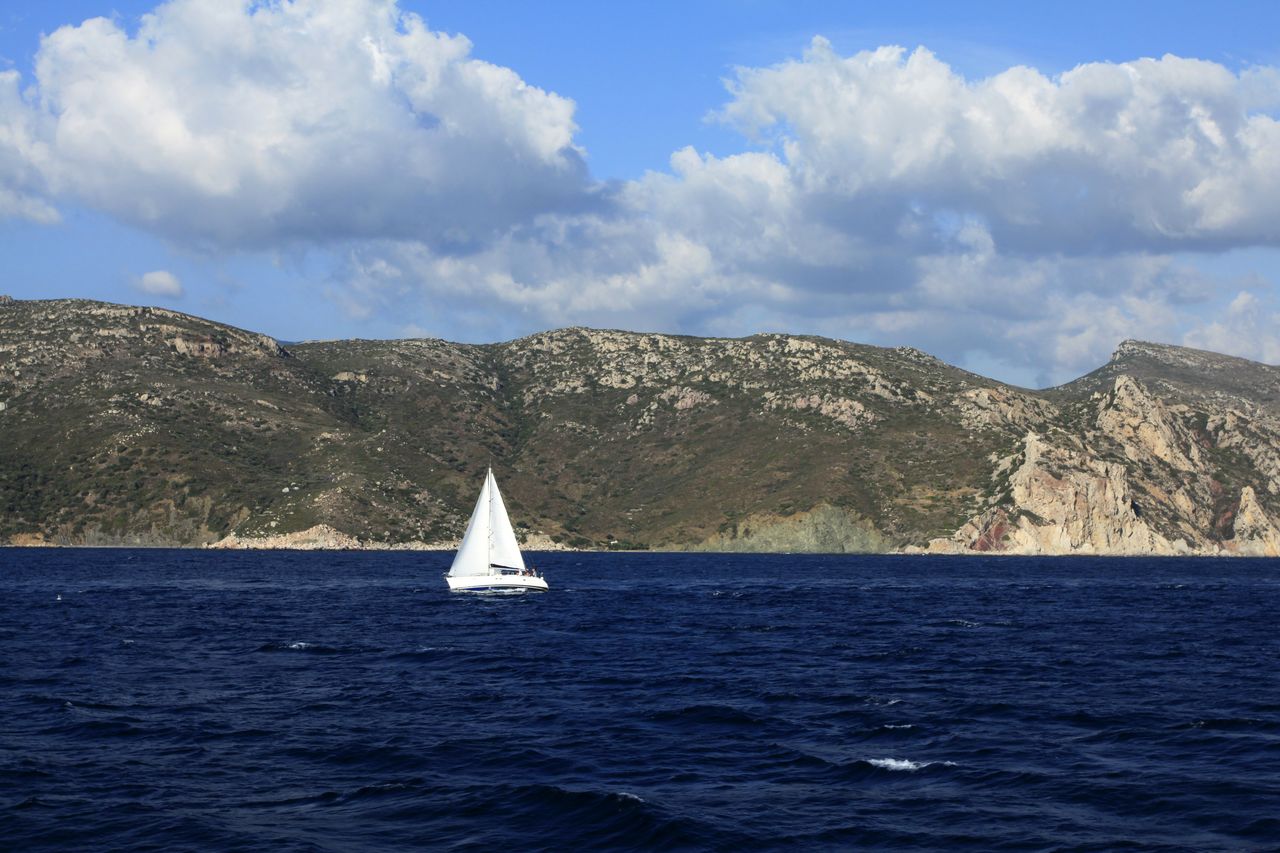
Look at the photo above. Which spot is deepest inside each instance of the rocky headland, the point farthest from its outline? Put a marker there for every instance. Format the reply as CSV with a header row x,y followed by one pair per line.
x,y
123,425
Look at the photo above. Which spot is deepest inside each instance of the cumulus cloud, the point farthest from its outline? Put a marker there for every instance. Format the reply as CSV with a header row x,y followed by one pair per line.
x,y
23,194
1107,156
160,283
247,124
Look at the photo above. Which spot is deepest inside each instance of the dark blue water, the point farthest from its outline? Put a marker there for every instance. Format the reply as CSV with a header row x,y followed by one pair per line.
x,y
269,701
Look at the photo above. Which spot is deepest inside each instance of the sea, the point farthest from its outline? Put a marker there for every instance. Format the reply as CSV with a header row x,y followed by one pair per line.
x,y
227,701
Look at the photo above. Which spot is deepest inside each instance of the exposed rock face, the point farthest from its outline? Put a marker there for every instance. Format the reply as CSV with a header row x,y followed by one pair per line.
x,y
29,540
686,398
999,408
1145,477
849,413
1145,427
1062,502
129,425
825,529
1256,534
208,346
322,537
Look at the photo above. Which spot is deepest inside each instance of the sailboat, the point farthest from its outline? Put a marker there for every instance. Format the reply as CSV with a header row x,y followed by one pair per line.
x,y
489,560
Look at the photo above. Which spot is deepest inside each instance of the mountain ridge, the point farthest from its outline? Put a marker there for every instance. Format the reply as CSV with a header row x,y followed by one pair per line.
x,y
128,424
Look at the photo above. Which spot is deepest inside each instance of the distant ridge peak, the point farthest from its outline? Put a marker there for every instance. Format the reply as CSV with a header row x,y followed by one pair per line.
x,y
1172,354
1130,347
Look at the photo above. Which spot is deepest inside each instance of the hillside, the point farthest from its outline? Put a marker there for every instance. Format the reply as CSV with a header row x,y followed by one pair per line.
x,y
124,425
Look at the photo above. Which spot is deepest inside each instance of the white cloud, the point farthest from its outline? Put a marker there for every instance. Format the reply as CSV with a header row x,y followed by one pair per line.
x,y
251,124
1119,156
160,283
22,154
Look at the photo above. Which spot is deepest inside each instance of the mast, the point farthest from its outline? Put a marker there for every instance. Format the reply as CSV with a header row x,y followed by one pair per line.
x,y
492,487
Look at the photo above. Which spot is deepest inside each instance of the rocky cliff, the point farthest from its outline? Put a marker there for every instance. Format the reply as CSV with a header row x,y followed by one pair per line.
x,y
130,425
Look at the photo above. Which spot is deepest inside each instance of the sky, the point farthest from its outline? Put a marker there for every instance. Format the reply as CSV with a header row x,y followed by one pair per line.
x,y
1012,187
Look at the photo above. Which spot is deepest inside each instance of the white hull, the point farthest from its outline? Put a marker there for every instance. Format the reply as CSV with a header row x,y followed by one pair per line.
x,y
496,583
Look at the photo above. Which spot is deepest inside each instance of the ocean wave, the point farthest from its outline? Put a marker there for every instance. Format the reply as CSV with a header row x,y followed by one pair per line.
x,y
423,653
316,648
906,764
89,705
590,818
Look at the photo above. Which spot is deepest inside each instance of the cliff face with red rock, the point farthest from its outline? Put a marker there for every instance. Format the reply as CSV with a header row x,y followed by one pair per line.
x,y
1172,463
133,425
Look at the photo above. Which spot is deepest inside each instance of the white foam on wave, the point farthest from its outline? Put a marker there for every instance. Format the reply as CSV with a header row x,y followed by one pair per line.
x,y
898,726
627,795
299,646
905,764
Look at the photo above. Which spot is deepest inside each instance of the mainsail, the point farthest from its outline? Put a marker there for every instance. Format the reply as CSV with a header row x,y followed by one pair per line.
x,y
489,540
